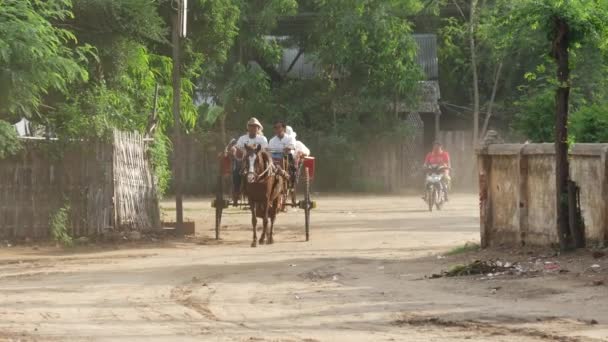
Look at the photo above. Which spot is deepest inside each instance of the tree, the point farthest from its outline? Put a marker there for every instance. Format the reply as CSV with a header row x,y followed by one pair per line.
x,y
365,61
35,56
568,24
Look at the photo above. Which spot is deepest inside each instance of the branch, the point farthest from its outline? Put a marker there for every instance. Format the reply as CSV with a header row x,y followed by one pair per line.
x,y
492,98
459,9
295,60
275,76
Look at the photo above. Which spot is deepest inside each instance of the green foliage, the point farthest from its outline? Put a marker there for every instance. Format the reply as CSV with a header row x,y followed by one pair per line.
x,y
9,142
60,226
468,247
102,21
36,57
587,19
369,42
535,117
517,34
159,156
587,38
590,124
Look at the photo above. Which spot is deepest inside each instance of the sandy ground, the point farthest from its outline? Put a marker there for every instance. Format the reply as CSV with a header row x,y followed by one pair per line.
x,y
360,278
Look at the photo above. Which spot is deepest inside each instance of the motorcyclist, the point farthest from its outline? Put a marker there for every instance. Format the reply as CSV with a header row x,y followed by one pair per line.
x,y
438,157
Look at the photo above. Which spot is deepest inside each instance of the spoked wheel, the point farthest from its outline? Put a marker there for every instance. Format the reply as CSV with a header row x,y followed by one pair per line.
x,y
283,201
294,201
219,206
307,202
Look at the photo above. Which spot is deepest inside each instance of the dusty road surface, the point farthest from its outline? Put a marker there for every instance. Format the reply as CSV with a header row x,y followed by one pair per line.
x,y
361,278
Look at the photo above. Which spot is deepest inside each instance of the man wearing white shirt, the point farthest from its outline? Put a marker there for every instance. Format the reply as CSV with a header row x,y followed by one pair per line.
x,y
254,136
282,142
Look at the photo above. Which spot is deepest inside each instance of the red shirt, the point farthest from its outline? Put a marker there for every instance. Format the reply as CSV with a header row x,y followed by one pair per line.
x,y
442,158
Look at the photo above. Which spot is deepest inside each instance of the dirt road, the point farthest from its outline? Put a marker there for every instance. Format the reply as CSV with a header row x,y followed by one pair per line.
x,y
361,278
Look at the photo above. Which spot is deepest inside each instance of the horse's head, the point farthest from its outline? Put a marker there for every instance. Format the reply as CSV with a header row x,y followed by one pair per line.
x,y
254,165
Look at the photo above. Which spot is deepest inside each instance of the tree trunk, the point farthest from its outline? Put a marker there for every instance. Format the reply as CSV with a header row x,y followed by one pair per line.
x,y
472,26
177,150
560,53
223,128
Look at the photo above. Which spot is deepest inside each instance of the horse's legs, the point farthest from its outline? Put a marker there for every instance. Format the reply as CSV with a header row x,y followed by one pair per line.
x,y
254,223
273,216
265,220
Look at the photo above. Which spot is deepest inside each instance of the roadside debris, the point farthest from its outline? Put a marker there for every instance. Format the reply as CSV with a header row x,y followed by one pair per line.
x,y
489,268
598,254
551,267
493,268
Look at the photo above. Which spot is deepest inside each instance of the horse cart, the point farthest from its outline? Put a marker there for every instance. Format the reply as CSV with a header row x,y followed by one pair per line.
x,y
300,180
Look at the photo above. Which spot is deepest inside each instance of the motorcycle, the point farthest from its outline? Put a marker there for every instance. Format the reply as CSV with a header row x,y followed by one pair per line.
x,y
436,188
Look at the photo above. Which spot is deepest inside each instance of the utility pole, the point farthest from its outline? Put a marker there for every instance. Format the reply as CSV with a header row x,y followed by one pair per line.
x,y
179,31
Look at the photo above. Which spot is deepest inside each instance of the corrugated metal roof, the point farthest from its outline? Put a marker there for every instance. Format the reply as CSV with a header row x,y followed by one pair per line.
x,y
304,67
427,54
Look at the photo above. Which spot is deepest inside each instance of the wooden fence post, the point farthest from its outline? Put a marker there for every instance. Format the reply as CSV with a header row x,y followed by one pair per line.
x,y
484,161
603,190
522,195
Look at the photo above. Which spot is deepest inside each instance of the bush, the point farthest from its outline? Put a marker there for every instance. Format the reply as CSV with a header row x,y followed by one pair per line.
x,y
9,141
590,124
535,120
159,154
535,117
59,223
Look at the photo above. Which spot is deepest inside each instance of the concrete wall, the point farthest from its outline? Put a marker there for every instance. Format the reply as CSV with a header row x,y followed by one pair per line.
x,y
517,193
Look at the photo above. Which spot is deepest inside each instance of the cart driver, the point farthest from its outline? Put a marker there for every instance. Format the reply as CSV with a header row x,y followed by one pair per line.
x,y
254,136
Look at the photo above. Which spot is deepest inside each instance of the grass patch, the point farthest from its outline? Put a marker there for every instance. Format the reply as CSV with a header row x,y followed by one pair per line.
x,y
466,248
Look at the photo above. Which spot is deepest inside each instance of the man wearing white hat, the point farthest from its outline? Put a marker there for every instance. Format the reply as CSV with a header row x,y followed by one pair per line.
x,y
254,136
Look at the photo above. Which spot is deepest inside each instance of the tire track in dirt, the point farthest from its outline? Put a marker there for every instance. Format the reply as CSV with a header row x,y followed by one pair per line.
x,y
183,295
488,328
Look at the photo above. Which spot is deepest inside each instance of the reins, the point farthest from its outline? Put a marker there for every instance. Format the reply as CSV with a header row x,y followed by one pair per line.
x,y
269,170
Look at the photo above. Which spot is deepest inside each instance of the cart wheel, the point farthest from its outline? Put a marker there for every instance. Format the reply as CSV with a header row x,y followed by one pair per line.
x,y
219,205
307,202
294,200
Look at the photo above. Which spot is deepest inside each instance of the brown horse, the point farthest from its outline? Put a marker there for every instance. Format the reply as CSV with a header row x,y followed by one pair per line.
x,y
263,185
